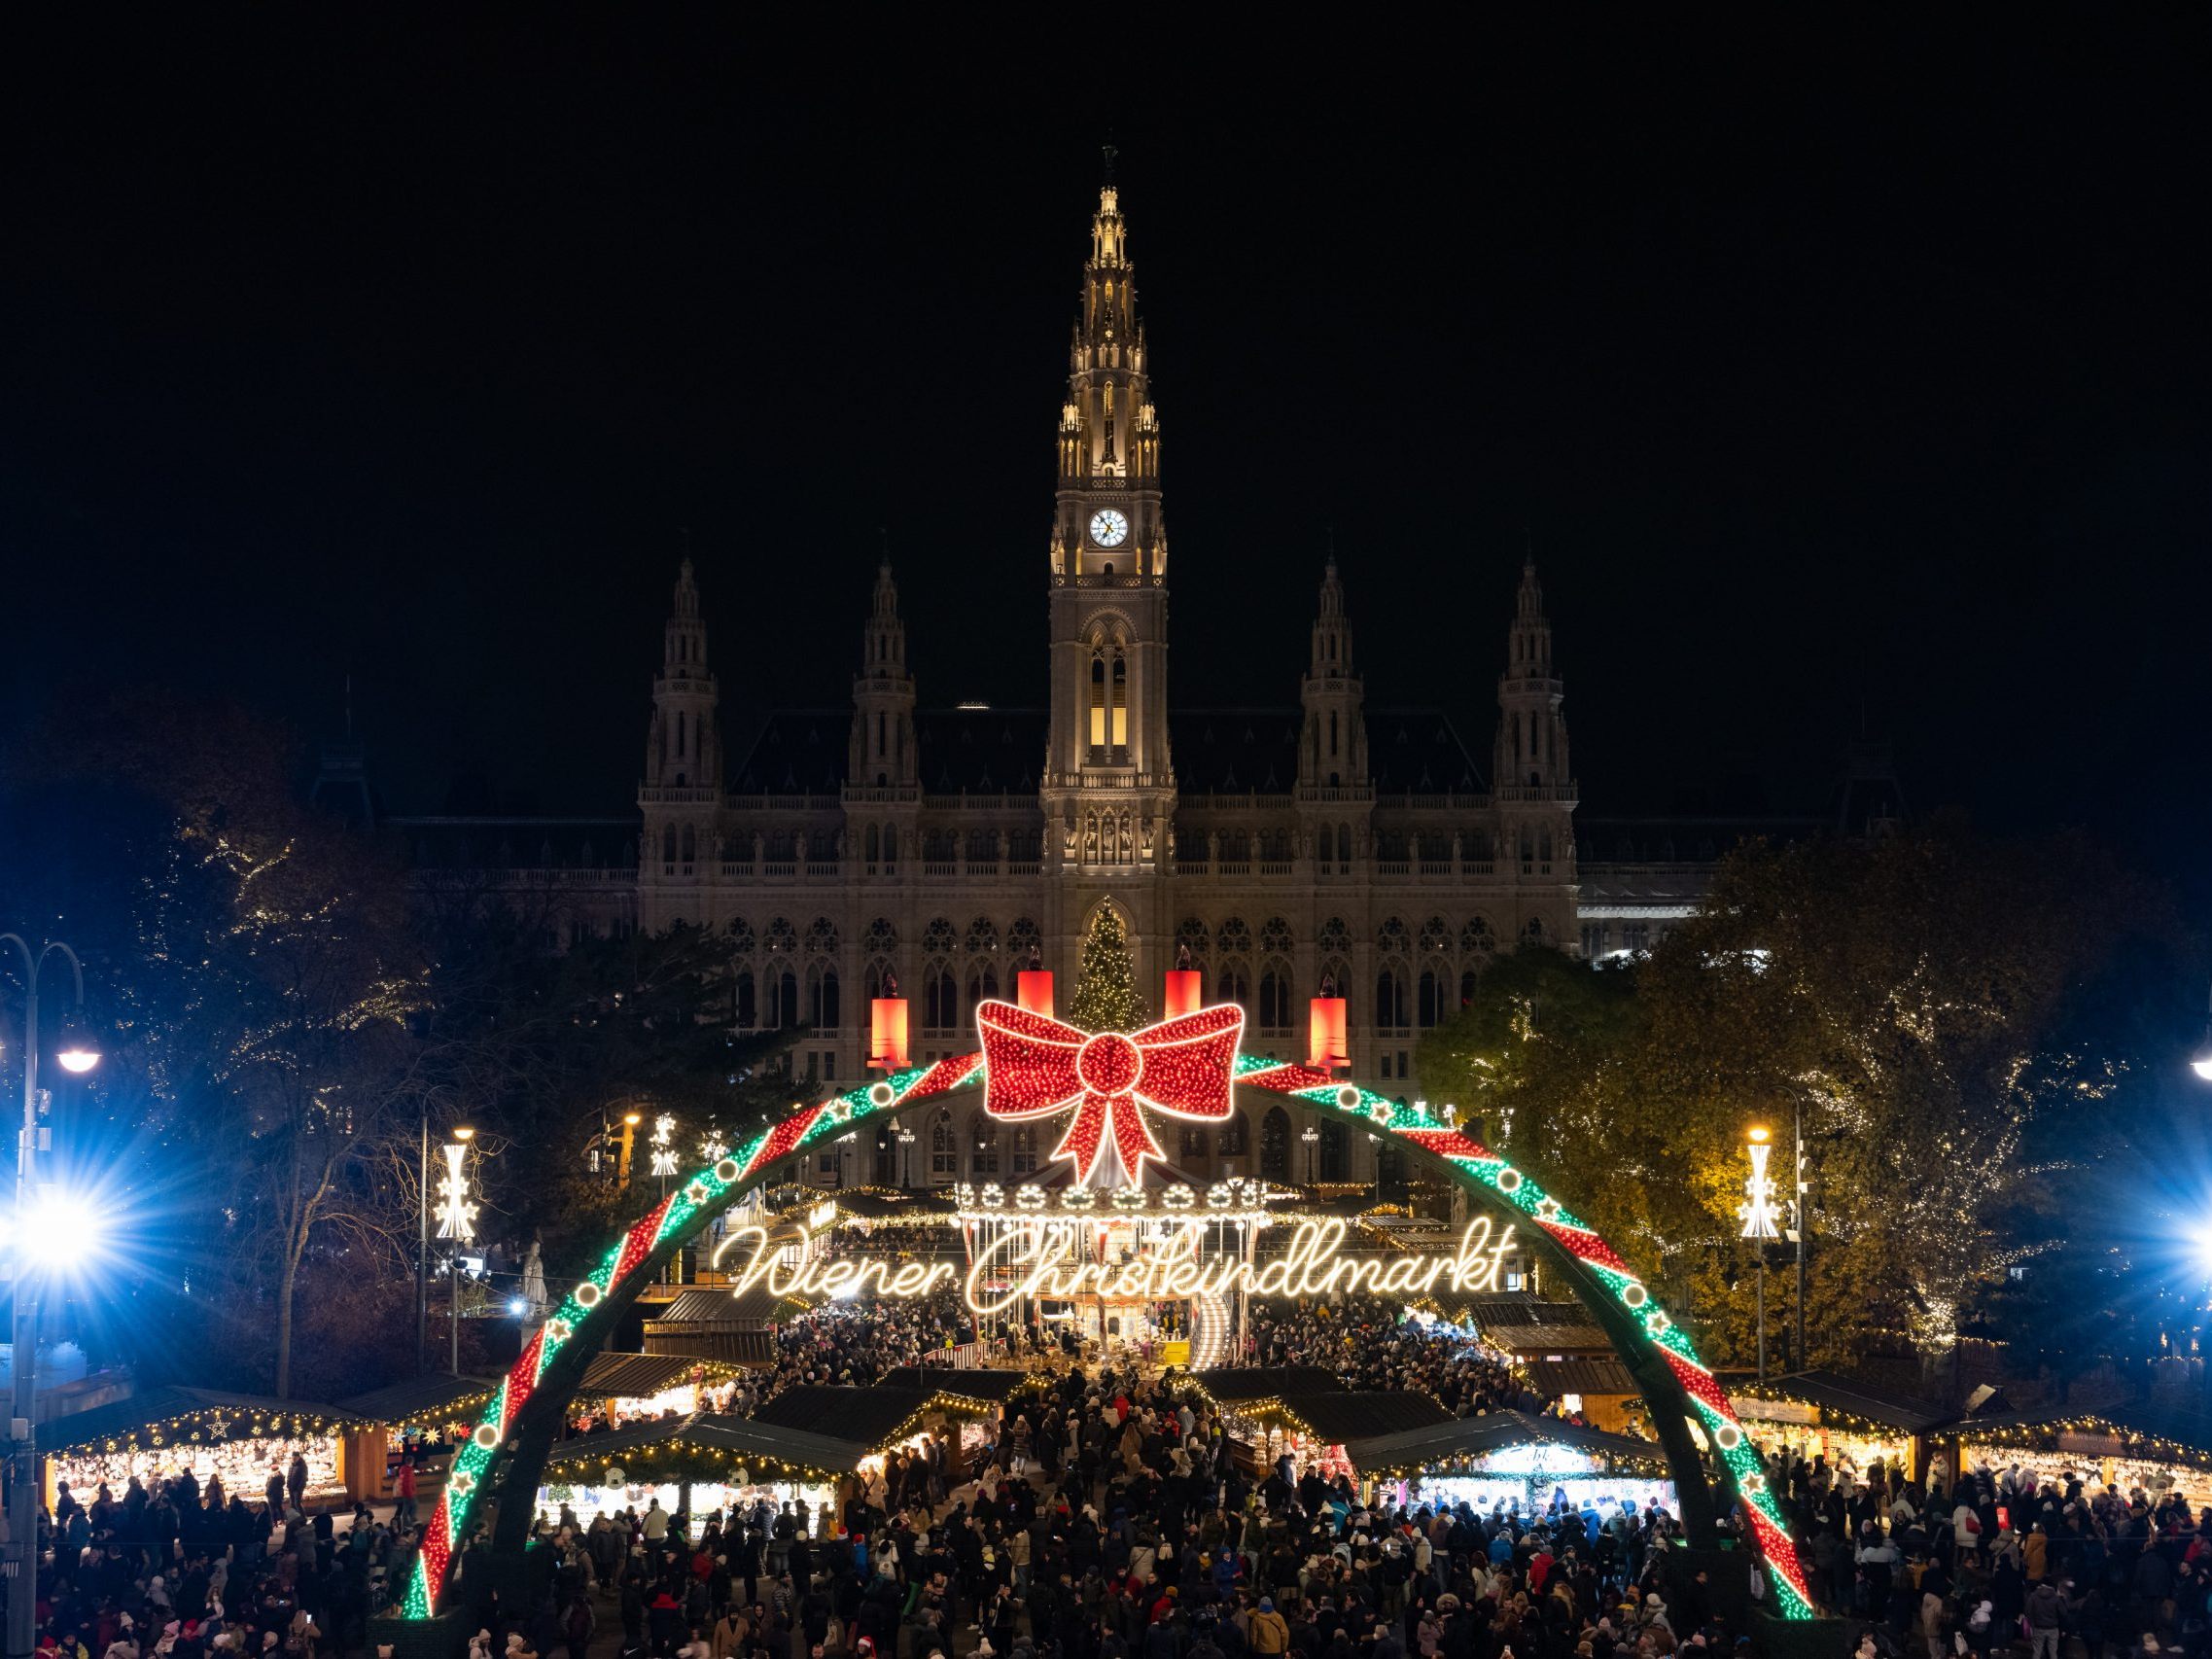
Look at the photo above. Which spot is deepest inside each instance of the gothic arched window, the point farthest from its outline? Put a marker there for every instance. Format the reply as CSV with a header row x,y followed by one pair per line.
x,y
821,998
787,1000
944,1151
1431,1009
668,847
1098,701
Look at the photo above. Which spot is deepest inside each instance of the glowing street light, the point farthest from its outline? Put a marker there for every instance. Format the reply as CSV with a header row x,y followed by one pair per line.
x,y
2202,1062
1759,1213
43,1223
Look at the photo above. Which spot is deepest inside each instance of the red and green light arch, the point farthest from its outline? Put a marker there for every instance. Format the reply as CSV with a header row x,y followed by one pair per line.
x,y
509,1448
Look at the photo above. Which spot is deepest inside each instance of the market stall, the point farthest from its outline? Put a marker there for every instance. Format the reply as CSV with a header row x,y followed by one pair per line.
x,y
237,1439
2155,1450
627,1387
803,1446
1852,1423
1512,1461
434,1410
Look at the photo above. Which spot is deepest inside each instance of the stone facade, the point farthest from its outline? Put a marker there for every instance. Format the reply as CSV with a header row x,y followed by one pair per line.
x,y
1274,848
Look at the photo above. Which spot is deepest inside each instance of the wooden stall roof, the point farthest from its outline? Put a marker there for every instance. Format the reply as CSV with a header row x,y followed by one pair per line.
x,y
1581,1376
987,1385
874,1415
1232,1385
1840,1396
2165,1432
1342,1415
1408,1449
635,1445
421,1399
151,1412
1532,1341
633,1376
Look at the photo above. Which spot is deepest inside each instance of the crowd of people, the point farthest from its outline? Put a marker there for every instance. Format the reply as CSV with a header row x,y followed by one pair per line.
x,y
1366,1343
1108,1517
2047,1559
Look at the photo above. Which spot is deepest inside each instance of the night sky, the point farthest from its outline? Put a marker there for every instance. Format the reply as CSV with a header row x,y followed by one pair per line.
x,y
1834,380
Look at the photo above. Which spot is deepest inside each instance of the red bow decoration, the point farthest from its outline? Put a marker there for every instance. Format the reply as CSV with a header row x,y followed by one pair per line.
x,y
1033,1067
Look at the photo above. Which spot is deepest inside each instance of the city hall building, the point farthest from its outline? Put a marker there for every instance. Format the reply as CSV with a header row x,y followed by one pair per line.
x,y
1319,839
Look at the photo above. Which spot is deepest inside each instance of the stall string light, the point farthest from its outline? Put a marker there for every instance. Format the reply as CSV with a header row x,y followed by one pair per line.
x,y
1740,1464
192,1428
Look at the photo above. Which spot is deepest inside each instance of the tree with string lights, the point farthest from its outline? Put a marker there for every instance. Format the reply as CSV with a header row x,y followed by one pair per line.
x,y
1107,998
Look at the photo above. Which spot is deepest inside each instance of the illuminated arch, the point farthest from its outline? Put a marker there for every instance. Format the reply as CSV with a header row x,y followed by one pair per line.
x,y
511,1441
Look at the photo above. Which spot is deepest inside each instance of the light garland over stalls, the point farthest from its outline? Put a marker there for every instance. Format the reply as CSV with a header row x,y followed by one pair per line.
x,y
1737,1457
243,1466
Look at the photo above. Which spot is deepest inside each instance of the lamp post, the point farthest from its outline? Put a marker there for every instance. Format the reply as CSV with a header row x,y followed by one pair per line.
x,y
1759,1214
630,1122
1311,1137
76,1055
456,1220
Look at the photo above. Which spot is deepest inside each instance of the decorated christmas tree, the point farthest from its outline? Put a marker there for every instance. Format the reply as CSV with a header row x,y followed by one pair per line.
x,y
1107,998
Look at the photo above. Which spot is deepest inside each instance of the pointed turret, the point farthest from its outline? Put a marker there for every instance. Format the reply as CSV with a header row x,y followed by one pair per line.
x,y
1531,730
882,753
682,747
1332,753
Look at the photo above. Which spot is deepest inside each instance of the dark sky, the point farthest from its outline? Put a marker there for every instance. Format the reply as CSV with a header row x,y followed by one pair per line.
x,y
1834,378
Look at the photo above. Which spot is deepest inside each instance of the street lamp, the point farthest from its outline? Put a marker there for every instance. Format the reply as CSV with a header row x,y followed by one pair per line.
x,y
2202,1062
1311,1137
76,1055
1759,1214
456,1220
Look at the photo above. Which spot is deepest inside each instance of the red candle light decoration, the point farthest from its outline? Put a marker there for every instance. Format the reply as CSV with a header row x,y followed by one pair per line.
x,y
1185,992
1325,1048
1033,989
887,1033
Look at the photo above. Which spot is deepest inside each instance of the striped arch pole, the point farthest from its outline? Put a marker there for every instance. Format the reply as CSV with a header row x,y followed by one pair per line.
x,y
506,1453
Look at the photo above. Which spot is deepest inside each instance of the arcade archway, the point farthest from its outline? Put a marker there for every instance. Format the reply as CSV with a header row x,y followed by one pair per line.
x,y
505,1456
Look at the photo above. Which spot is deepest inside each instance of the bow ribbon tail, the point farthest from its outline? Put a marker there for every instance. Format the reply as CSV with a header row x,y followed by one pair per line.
x,y
1133,1136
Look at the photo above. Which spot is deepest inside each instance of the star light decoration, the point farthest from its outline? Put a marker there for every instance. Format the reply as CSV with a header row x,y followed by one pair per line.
x,y
664,1143
675,1217
456,1214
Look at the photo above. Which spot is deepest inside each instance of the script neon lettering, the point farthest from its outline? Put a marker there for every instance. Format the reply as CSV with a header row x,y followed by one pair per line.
x,y
1037,1262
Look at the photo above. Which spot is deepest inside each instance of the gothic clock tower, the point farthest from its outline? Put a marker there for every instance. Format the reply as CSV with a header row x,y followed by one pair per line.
x,y
1109,788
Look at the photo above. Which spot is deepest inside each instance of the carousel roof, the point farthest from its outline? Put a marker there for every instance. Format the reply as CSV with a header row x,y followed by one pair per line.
x,y
1491,1431
420,1399
209,1412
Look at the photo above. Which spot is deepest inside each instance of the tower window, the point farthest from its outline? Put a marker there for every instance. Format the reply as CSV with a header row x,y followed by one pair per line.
x,y
1120,702
1332,735
1098,702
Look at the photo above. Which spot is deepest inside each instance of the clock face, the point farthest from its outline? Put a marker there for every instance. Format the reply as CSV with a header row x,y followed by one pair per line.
x,y
1108,529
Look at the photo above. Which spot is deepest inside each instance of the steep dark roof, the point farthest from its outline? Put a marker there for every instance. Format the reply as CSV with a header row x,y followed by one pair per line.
x,y
756,1308
998,750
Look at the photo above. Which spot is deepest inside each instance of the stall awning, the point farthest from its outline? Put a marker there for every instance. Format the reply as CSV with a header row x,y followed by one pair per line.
x,y
981,1385
1234,1385
639,1376
874,1416
1434,1445
174,1415
1845,1399
421,1399
2156,1434
694,1446
1556,1377
1341,1416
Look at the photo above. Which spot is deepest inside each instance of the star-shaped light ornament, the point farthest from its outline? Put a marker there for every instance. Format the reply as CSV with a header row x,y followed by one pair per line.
x,y
1549,1210
697,1193
1656,1322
